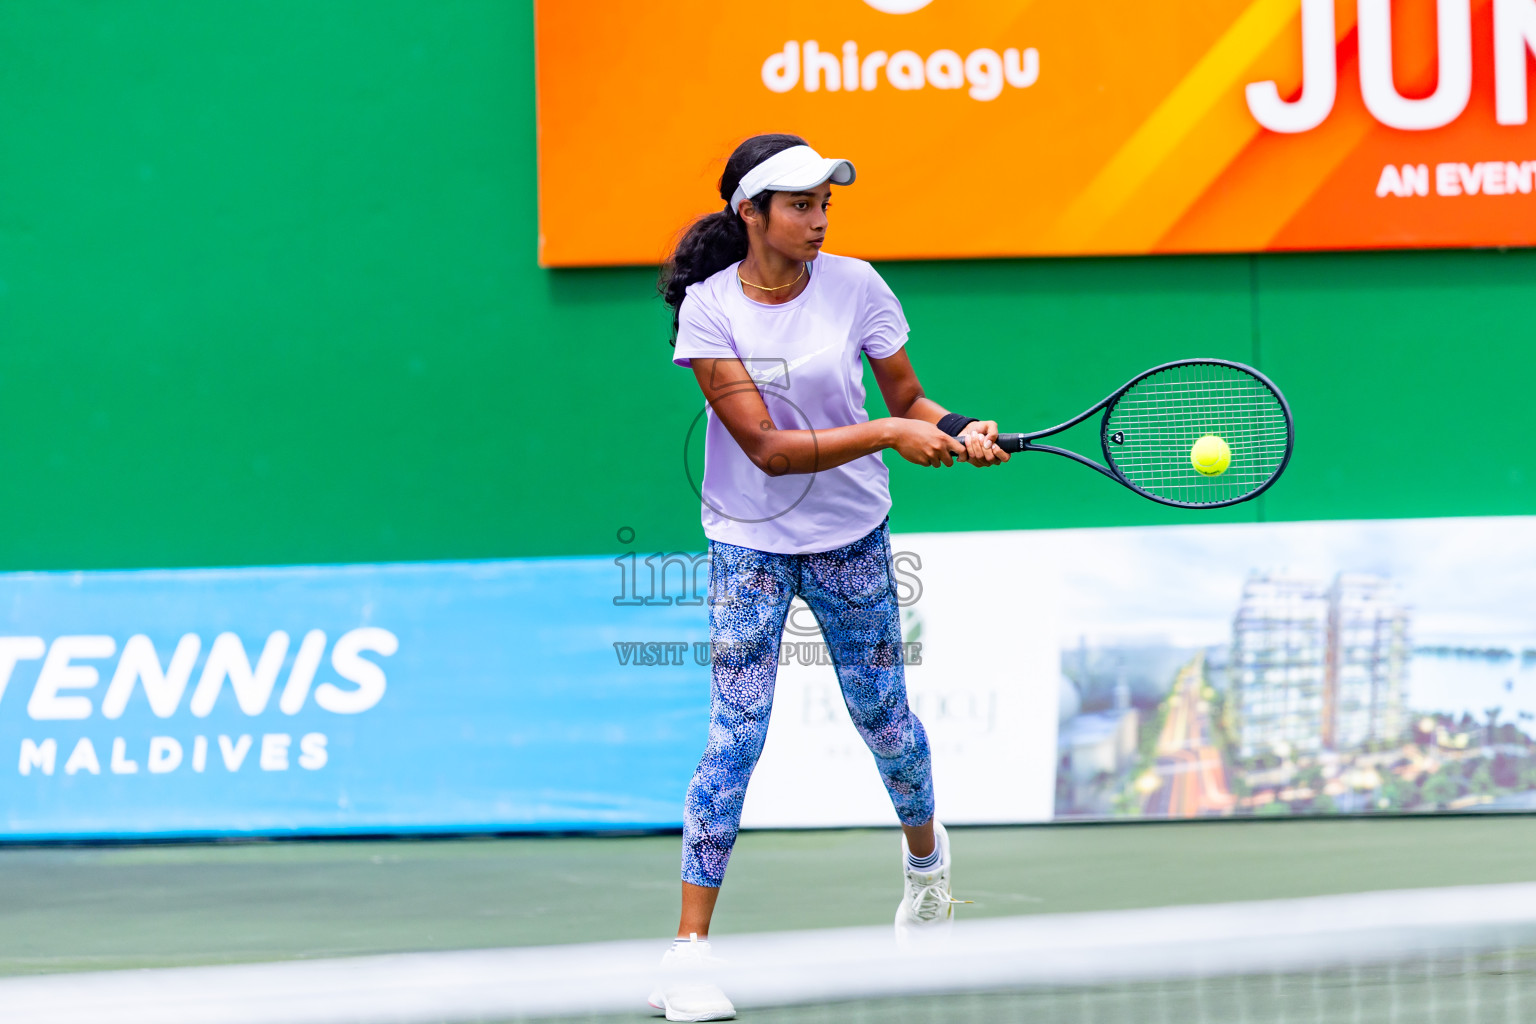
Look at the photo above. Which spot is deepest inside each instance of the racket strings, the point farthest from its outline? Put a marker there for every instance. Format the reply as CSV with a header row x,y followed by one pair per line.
x,y
1161,416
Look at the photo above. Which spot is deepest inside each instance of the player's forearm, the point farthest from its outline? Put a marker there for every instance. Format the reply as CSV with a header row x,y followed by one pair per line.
x,y
925,409
929,411
783,452
905,399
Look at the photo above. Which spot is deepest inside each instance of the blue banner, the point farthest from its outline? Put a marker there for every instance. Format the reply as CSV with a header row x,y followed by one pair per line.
x,y
540,694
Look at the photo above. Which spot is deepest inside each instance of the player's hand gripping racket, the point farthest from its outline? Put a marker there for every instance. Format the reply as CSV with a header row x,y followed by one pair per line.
x,y
1198,433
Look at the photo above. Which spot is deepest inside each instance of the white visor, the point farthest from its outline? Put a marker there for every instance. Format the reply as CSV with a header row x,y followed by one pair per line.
x,y
792,170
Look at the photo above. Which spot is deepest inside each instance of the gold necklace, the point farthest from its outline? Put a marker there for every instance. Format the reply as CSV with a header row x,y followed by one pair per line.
x,y
775,288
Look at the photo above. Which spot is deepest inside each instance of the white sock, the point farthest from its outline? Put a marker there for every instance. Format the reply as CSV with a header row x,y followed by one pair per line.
x,y
927,863
680,941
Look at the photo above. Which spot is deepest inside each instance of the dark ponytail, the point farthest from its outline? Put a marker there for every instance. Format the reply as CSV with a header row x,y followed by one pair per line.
x,y
712,243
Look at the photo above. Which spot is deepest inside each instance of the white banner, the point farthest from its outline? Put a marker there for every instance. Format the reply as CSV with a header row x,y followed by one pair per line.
x,y
983,613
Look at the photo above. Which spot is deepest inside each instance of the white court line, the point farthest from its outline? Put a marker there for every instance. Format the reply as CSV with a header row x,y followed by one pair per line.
x,y
791,967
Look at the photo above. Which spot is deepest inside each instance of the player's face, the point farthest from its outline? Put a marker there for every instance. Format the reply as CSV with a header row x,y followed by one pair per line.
x,y
797,222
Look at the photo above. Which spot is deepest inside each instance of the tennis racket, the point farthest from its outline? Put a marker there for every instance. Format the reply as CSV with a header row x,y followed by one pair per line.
x,y
1155,428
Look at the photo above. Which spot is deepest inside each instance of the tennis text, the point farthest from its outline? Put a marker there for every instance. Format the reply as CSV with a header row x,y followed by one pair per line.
x,y
69,675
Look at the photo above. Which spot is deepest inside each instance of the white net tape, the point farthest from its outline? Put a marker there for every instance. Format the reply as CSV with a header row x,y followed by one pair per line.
x,y
1137,960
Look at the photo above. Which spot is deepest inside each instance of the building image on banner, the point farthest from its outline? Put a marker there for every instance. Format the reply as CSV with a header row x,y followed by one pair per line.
x,y
1404,686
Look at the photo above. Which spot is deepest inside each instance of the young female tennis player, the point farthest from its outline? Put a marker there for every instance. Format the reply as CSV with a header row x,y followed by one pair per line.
x,y
795,503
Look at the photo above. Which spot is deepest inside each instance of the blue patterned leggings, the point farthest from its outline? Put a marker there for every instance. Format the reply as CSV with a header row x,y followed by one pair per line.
x,y
852,592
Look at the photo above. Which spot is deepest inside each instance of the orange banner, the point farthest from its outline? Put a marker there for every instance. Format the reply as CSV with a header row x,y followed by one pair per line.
x,y
1048,127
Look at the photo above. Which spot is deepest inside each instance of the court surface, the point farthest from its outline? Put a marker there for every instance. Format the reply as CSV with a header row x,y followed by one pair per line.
x,y
99,908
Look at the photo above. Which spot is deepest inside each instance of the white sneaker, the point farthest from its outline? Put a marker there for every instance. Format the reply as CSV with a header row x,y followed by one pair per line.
x,y
686,993
926,906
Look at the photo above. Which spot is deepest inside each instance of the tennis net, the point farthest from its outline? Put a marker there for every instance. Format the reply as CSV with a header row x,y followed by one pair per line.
x,y
1436,955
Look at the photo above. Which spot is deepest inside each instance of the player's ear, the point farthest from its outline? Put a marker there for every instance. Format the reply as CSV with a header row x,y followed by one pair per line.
x,y
748,212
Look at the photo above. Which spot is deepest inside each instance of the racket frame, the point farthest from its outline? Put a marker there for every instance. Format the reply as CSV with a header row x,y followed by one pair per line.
x,y
1026,442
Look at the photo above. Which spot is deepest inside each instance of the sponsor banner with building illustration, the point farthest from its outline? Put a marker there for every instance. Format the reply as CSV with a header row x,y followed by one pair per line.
x,y
1049,127
1190,671
1158,672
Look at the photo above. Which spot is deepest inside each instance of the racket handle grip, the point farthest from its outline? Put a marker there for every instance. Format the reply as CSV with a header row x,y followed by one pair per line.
x,y
1007,442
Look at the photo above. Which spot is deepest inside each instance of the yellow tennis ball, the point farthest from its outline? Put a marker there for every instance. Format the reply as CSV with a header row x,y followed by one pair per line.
x,y
1210,456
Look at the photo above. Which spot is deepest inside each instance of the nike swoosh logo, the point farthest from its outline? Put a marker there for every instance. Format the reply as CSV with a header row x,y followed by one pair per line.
x,y
769,374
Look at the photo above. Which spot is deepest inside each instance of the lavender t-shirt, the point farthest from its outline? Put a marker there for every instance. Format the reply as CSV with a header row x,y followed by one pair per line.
x,y
805,357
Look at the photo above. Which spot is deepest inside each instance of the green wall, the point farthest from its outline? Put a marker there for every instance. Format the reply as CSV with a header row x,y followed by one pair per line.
x,y
268,295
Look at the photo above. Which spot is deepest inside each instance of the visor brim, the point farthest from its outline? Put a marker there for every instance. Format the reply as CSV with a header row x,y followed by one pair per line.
x,y
815,173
